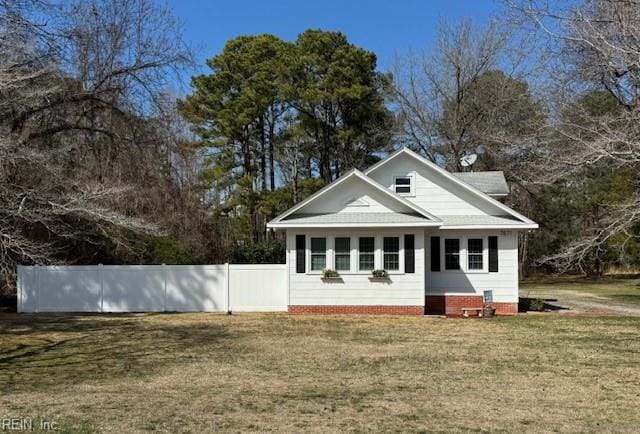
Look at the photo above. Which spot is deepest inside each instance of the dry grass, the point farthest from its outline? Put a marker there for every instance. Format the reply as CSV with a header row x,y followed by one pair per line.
x,y
580,294
206,372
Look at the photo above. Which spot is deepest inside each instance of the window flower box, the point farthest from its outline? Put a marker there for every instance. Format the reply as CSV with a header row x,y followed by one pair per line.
x,y
329,274
379,275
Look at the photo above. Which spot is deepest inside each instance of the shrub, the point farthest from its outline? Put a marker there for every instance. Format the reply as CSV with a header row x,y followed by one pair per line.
x,y
328,273
265,252
537,305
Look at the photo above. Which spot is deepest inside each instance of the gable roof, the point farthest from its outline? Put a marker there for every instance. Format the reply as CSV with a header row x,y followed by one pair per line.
x,y
492,183
428,219
455,180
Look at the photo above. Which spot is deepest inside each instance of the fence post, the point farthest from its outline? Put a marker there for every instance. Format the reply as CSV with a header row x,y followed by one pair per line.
x,y
37,289
101,279
227,279
19,288
164,275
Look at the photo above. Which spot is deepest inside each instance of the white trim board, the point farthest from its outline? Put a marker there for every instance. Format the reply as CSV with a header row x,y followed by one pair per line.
x,y
530,223
277,222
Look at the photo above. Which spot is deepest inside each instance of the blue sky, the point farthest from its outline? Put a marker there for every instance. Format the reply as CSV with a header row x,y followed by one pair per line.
x,y
384,27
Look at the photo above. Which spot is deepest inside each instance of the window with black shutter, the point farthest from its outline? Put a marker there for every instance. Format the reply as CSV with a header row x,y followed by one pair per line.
x,y
435,253
475,255
300,253
409,254
493,254
451,254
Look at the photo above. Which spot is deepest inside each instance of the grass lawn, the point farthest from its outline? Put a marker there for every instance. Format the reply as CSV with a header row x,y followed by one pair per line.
x,y
274,372
608,294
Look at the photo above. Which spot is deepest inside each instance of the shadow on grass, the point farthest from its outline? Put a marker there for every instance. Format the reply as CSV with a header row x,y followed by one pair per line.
x,y
526,304
573,279
37,351
8,303
626,298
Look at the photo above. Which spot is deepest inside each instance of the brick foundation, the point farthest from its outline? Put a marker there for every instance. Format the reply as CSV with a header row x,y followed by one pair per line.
x,y
506,308
452,305
356,310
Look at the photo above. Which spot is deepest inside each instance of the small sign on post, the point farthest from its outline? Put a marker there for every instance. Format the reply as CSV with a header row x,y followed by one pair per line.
x,y
488,297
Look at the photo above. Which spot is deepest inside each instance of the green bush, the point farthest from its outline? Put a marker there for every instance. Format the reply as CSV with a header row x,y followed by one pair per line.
x,y
328,273
537,305
170,251
265,252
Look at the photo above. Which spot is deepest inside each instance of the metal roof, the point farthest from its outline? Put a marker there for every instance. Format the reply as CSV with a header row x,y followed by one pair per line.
x,y
492,183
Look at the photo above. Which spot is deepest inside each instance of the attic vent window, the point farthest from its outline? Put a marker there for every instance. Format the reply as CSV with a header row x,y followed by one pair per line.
x,y
356,202
404,185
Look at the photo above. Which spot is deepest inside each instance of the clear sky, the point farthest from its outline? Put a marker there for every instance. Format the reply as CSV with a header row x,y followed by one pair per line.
x,y
385,27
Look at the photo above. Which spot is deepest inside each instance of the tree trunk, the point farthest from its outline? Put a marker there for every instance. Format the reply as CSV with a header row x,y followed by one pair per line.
x,y
263,154
295,180
523,256
272,172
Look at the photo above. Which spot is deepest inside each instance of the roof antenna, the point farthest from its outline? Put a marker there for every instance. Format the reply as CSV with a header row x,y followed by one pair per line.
x,y
468,160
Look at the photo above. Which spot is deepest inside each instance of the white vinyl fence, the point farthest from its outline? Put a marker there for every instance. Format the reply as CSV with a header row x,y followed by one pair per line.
x,y
153,288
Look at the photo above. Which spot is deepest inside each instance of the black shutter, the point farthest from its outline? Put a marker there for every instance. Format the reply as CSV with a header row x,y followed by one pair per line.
x,y
493,254
300,254
409,254
435,253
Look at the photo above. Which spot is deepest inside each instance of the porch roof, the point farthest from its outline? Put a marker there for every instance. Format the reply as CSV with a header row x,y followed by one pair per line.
x,y
482,222
357,219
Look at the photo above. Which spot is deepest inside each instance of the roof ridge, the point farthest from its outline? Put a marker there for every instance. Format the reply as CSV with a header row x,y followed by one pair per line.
x,y
355,172
451,176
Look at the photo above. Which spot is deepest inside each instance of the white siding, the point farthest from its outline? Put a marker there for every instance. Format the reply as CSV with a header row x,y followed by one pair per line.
x,y
504,283
434,192
337,199
355,288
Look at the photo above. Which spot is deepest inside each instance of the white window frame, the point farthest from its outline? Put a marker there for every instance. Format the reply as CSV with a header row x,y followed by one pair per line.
x,y
412,184
482,255
375,252
335,253
464,262
444,255
378,252
400,252
327,256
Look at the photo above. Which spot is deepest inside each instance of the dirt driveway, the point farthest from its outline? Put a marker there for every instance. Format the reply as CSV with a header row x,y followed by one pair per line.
x,y
576,296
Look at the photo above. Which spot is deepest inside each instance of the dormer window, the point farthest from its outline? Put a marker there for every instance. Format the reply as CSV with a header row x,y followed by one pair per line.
x,y
404,185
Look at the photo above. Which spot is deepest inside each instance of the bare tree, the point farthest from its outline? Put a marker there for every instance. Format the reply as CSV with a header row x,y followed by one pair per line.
x,y
469,94
597,46
465,95
80,107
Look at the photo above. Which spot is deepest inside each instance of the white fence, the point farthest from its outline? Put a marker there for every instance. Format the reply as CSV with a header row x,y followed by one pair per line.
x,y
153,288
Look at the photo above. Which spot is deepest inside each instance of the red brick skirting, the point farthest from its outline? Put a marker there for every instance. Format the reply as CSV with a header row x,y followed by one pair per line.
x,y
357,310
506,308
451,305
454,304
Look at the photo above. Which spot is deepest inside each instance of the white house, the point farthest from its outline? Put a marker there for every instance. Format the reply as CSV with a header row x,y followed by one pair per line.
x,y
443,238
